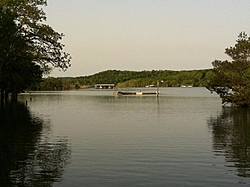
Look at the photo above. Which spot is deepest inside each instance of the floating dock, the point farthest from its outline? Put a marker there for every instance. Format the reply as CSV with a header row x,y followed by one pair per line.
x,y
135,93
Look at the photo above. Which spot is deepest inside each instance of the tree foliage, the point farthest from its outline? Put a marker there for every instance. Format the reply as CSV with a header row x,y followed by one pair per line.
x,y
231,79
28,47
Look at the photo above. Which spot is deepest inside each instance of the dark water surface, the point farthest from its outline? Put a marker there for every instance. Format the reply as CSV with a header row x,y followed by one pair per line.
x,y
92,138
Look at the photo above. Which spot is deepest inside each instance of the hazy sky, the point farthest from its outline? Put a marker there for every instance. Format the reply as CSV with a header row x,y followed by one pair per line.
x,y
146,34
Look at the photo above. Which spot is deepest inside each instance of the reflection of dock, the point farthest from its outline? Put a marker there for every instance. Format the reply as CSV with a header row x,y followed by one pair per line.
x,y
135,93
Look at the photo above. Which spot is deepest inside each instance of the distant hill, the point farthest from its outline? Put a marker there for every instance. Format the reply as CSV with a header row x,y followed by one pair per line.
x,y
120,78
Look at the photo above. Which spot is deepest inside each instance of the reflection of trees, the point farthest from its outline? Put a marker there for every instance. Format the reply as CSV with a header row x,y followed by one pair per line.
x,y
26,157
231,137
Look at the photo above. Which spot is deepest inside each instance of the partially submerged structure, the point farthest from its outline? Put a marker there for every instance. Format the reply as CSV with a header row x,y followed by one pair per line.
x,y
135,93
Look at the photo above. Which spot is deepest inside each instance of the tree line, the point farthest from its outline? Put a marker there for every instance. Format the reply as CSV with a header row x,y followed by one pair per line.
x,y
120,78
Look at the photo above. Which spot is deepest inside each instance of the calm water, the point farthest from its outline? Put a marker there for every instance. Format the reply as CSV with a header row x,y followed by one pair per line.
x,y
91,138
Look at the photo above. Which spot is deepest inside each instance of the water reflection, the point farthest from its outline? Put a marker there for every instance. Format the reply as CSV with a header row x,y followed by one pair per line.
x,y
231,138
27,156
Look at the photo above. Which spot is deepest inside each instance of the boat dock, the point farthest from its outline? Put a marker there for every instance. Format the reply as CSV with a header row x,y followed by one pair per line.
x,y
104,86
117,93
135,93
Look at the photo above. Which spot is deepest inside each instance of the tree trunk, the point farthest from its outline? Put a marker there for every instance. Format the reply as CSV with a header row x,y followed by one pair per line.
x,y
6,96
14,96
2,96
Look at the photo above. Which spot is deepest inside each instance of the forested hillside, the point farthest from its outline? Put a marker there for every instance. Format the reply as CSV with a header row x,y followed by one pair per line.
x,y
128,79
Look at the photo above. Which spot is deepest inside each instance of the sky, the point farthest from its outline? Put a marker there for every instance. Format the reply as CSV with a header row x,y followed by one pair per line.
x,y
142,35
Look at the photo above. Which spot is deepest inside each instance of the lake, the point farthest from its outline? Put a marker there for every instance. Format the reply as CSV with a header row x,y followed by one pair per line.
x,y
89,137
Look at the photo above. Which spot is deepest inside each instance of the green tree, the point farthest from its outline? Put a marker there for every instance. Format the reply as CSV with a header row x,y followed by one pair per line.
x,y
231,79
27,41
